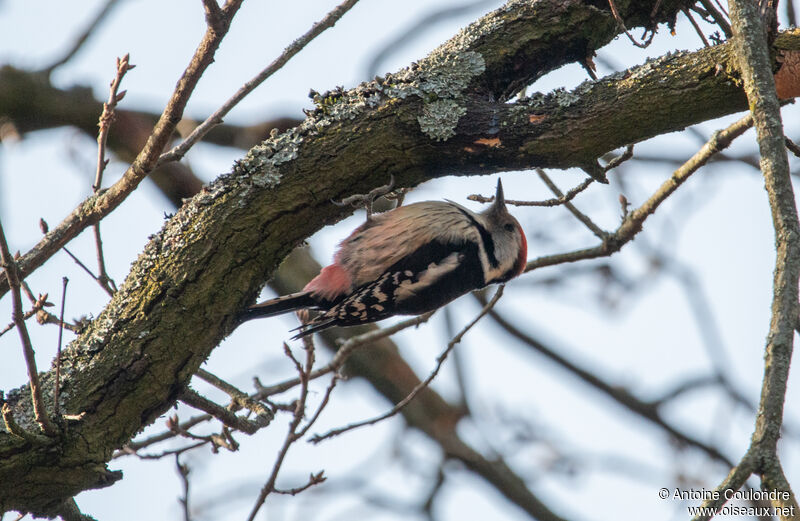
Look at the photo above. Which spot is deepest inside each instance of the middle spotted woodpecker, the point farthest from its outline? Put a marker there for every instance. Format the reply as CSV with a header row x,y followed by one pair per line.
x,y
408,261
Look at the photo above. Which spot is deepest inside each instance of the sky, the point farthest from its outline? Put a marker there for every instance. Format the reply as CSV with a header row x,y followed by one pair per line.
x,y
717,229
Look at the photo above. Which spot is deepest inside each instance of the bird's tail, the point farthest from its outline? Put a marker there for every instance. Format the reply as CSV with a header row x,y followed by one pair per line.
x,y
278,306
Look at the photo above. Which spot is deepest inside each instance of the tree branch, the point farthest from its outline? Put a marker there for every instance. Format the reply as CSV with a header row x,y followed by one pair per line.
x,y
750,42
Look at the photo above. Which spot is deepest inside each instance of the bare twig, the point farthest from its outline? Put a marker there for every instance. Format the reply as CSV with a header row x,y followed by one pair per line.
x,y
99,205
719,17
793,147
402,403
224,439
321,406
12,273
292,434
239,399
366,200
570,195
313,479
647,410
343,353
751,48
84,267
582,217
696,27
177,152
621,23
615,162
38,305
105,281
133,446
56,407
689,385
106,119
183,472
634,220
223,414
125,451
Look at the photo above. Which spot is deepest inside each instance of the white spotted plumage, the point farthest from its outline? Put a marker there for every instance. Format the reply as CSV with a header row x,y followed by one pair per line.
x,y
408,261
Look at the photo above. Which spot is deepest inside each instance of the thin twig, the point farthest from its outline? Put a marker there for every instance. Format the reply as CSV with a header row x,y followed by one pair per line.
x,y
752,50
647,410
719,17
343,353
423,384
792,146
322,405
696,27
124,451
183,472
292,433
177,152
239,399
313,479
12,273
38,305
621,24
570,195
615,162
223,414
107,118
366,200
104,125
133,446
632,224
56,408
582,217
224,439
83,266
97,206
106,282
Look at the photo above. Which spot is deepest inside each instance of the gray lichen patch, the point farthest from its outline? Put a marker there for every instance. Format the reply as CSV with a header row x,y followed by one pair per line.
x,y
442,76
448,75
262,161
441,80
439,119
653,65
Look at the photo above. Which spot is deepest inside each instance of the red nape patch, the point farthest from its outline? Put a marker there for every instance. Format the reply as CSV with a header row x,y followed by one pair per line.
x,y
331,282
522,260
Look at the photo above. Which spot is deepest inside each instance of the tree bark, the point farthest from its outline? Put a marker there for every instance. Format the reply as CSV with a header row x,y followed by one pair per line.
x,y
445,115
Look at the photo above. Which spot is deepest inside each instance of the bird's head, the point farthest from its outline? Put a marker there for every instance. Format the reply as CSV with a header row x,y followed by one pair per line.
x,y
510,246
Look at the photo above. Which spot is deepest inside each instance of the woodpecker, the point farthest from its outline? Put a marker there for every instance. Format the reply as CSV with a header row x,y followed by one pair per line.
x,y
408,261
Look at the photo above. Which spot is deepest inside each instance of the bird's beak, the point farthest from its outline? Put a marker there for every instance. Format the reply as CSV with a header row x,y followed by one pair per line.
x,y
499,200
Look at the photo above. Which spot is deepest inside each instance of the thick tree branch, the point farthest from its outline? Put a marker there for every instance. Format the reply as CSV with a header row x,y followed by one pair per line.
x,y
502,52
752,52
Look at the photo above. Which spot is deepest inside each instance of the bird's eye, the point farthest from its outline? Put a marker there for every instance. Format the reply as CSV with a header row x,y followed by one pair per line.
x,y
509,227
